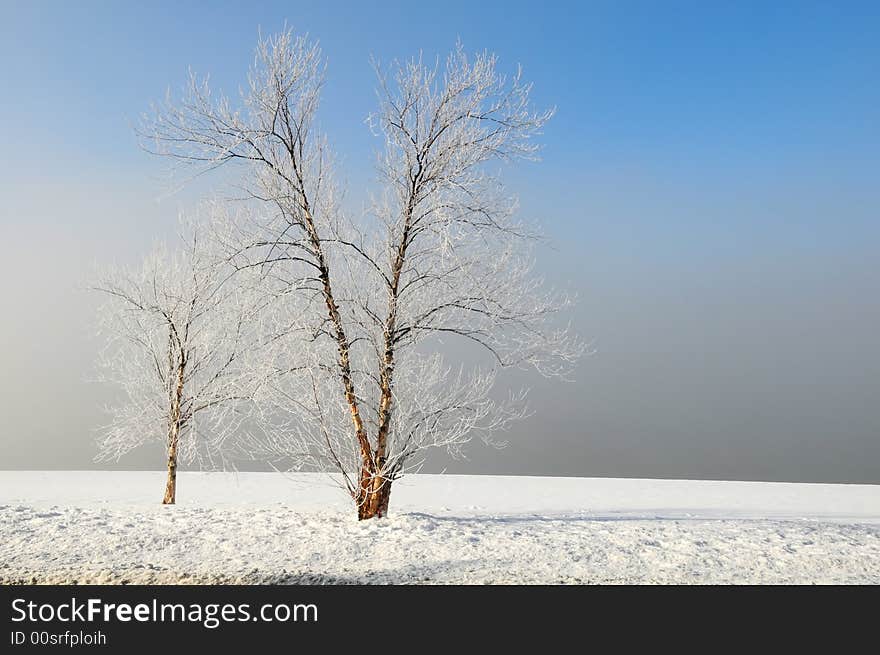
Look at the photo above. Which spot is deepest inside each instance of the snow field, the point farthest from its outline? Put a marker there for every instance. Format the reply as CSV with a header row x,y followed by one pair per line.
x,y
108,527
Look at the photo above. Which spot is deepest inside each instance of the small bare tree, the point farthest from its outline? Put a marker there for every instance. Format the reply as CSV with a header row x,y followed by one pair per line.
x,y
363,306
182,346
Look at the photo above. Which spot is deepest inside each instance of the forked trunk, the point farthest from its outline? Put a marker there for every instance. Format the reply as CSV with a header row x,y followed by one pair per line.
x,y
374,490
375,493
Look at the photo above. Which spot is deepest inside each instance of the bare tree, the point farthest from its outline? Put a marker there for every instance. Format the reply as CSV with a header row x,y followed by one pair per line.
x,y
363,306
182,346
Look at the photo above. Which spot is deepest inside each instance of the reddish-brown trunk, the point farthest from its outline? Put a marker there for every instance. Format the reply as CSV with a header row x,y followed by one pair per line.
x,y
375,488
375,494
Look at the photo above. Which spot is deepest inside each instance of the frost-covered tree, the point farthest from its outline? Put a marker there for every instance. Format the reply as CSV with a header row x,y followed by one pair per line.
x,y
363,306
183,348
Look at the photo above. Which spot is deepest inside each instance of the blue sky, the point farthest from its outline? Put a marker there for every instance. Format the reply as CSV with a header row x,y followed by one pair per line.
x,y
710,181
700,102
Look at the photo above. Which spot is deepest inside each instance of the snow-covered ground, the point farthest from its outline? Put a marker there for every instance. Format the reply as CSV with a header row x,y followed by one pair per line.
x,y
108,527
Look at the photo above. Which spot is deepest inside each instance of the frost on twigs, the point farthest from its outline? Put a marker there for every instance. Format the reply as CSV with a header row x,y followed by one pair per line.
x,y
365,308
183,344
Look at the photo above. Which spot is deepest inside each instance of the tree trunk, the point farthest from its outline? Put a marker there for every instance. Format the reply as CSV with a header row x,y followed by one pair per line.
x,y
171,484
375,493
383,498
174,435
